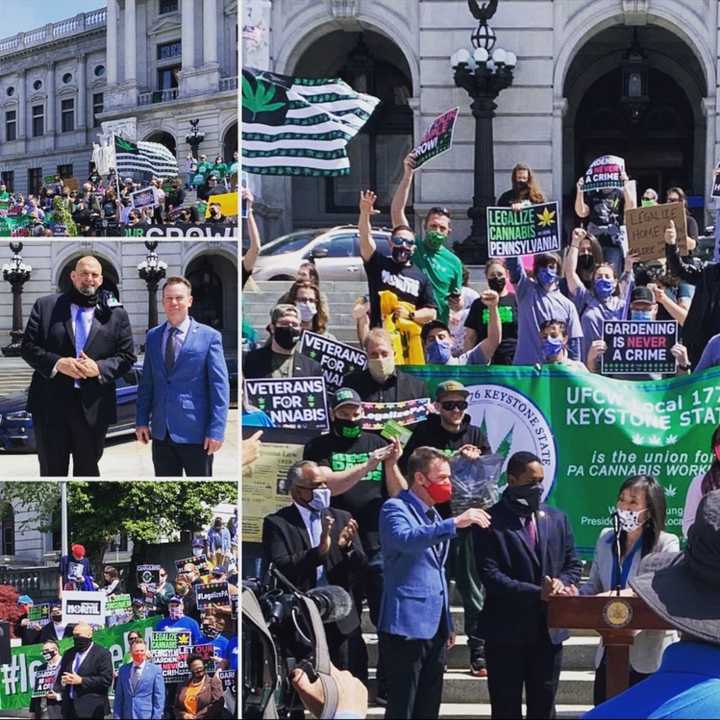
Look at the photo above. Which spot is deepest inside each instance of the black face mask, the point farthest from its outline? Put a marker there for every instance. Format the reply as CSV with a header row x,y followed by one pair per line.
x,y
400,255
524,499
586,263
47,655
497,284
349,429
286,337
56,617
83,300
520,186
81,644
209,631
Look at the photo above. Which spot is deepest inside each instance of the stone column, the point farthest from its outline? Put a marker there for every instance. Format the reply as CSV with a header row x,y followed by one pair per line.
x,y
22,105
111,31
210,34
51,101
188,35
82,92
130,42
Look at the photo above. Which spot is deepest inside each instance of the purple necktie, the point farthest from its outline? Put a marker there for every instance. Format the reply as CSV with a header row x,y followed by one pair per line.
x,y
531,531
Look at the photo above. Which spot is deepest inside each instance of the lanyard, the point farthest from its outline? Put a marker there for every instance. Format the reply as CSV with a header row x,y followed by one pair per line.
x,y
627,564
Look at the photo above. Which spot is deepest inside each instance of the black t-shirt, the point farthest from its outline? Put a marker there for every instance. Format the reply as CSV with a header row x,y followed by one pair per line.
x,y
364,499
507,199
406,281
606,210
245,274
478,319
398,387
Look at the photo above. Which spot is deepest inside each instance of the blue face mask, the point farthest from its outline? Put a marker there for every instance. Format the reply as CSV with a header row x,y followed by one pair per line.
x,y
437,352
641,315
552,346
320,499
546,276
604,288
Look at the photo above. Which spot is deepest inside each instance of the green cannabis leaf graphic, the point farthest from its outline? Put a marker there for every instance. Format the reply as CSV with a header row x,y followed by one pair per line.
x,y
259,100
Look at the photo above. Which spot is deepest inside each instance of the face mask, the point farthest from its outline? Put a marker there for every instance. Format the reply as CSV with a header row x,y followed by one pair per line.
x,y
48,655
586,263
320,499
197,552
520,185
552,346
81,644
400,255
716,450
604,288
434,240
209,631
56,616
349,429
381,369
439,492
547,276
286,337
437,352
629,519
138,656
176,612
307,311
641,315
497,284
524,499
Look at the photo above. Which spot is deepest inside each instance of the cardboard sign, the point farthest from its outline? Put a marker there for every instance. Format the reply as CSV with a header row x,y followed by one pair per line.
x,y
44,681
407,412
87,607
437,138
148,574
532,230
228,203
637,347
336,358
147,197
183,230
604,173
211,594
291,402
646,226
39,614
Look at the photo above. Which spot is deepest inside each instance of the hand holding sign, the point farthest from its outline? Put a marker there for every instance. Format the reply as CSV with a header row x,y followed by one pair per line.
x,y
680,353
671,234
409,164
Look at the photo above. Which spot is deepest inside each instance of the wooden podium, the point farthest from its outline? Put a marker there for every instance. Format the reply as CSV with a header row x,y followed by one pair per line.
x,y
615,618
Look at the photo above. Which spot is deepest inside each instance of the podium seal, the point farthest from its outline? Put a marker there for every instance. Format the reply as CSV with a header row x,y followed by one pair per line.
x,y
617,613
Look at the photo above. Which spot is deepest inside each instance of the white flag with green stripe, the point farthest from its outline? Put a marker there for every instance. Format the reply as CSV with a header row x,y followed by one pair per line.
x,y
299,126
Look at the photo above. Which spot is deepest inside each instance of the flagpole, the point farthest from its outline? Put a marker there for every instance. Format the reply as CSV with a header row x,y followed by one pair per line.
x,y
117,183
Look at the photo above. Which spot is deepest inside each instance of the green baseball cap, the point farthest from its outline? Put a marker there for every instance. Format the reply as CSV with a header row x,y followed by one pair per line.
x,y
450,386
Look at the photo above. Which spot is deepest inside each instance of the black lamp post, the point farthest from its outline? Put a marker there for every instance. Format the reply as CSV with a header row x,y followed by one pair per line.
x,y
152,271
483,74
17,273
195,137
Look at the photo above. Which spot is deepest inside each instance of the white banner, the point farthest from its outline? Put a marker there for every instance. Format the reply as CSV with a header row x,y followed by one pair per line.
x,y
88,607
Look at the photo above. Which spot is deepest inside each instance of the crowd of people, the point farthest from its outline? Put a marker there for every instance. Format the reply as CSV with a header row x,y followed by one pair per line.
x,y
88,684
102,206
373,516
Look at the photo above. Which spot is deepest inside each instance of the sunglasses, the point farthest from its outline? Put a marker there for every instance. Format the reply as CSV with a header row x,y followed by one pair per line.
x,y
404,242
454,405
438,211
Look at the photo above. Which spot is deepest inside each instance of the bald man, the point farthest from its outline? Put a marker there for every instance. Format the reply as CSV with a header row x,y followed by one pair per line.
x,y
85,676
78,343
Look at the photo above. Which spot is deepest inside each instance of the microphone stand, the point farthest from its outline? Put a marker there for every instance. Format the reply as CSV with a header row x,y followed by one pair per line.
x,y
616,530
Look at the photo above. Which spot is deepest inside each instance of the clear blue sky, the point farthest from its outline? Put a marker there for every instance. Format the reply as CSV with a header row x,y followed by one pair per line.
x,y
30,14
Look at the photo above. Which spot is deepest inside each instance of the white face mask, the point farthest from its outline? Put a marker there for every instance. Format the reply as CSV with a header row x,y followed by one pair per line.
x,y
381,368
320,499
307,311
630,519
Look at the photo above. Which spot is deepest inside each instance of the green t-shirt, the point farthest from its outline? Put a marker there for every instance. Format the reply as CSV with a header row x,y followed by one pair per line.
x,y
444,270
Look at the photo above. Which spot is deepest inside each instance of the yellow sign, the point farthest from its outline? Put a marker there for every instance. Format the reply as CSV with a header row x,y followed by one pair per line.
x,y
228,203
263,486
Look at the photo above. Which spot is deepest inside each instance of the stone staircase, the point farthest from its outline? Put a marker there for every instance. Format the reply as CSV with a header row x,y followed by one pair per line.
x,y
15,375
465,696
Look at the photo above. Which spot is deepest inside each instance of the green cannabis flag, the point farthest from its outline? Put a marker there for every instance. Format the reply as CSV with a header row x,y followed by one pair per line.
x,y
591,432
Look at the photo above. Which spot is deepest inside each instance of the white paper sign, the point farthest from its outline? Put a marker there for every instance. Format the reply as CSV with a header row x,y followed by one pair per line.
x,y
87,607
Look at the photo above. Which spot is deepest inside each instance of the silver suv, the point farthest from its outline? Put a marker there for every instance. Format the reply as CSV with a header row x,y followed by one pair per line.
x,y
335,252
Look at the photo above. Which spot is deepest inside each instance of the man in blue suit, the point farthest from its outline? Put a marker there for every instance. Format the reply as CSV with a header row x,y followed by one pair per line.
x,y
415,624
527,554
139,688
185,393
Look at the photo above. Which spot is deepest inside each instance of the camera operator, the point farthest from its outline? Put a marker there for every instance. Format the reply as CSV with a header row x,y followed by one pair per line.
x,y
352,694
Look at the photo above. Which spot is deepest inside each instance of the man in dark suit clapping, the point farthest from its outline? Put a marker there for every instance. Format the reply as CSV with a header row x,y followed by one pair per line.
x,y
527,554
78,343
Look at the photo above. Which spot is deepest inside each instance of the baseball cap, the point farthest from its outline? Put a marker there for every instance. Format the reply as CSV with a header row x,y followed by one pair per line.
x,y
175,599
218,571
641,293
346,396
450,386
25,600
282,309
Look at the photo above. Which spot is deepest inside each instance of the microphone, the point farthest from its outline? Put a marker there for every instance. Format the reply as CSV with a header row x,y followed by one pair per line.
x,y
616,523
616,529
333,602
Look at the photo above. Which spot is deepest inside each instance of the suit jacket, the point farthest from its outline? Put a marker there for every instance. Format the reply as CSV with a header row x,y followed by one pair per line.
x,y
146,701
256,364
415,596
48,632
49,336
512,573
96,671
286,543
210,700
191,402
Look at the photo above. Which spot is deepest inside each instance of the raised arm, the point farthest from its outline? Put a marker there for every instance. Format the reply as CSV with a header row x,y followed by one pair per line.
x,y
250,257
581,209
490,344
400,198
630,197
367,208
676,312
571,258
679,268
340,481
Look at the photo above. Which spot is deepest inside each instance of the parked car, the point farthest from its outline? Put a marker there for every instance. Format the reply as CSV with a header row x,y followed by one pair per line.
x,y
335,252
16,427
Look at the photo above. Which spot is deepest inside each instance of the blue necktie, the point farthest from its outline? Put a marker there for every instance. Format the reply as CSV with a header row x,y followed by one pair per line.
x,y
170,348
80,336
316,532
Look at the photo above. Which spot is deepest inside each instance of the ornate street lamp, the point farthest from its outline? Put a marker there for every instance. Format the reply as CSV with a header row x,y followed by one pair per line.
x,y
152,271
195,137
17,273
635,97
484,73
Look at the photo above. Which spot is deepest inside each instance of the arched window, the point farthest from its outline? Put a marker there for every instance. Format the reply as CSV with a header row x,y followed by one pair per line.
x,y
110,277
7,529
207,292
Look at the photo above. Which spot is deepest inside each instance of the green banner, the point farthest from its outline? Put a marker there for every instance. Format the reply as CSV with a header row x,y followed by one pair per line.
x,y
18,679
591,432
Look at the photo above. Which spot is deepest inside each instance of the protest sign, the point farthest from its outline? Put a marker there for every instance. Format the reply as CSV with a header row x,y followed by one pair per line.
x,y
182,230
637,347
197,561
591,432
604,173
211,594
169,651
39,614
228,203
71,183
646,229
407,412
229,679
147,197
529,231
88,607
75,571
148,574
44,681
437,138
291,402
17,679
716,183
118,609
336,358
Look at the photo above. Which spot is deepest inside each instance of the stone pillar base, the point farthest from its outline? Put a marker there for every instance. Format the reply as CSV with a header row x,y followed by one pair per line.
x,y
201,80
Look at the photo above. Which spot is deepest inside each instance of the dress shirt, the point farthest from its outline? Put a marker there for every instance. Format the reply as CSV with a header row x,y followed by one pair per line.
x,y
178,338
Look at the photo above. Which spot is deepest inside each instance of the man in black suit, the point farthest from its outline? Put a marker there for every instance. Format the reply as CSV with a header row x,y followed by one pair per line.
x,y
78,343
84,678
279,358
527,554
56,625
314,544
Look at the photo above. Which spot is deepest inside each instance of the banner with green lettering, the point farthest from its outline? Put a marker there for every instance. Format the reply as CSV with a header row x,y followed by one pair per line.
x,y
18,678
591,432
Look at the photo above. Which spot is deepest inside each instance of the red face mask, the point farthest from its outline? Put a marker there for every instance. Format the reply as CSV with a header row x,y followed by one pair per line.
x,y
439,492
717,451
138,656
